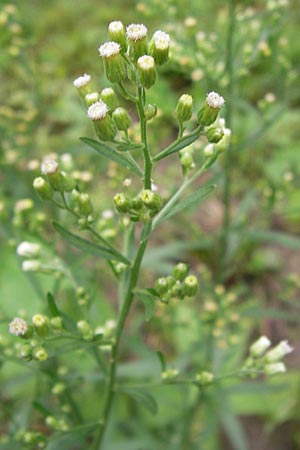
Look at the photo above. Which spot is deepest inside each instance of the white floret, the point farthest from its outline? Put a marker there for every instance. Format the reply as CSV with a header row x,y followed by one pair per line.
x,y
214,100
97,111
82,81
49,166
109,49
136,31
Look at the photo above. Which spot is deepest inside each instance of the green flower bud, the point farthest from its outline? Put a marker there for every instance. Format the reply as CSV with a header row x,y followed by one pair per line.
x,y
41,325
68,182
169,374
85,330
190,286
150,111
105,127
137,41
56,323
145,217
26,352
122,203
176,290
74,199
214,134
114,64
223,144
56,179
136,204
180,271
85,204
184,108
162,286
159,47
91,98
122,118
109,97
204,378
146,72
116,33
209,112
171,281
43,189
186,159
83,84
40,354
150,199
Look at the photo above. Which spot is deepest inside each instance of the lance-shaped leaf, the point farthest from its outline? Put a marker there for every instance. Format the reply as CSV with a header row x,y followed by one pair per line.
x,y
140,396
110,153
191,200
90,247
123,147
179,144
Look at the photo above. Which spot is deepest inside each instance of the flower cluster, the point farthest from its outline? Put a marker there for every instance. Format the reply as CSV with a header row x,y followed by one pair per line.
x,y
179,285
142,208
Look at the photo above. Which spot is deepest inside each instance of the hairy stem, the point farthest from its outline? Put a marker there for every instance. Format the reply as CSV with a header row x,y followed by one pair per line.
x,y
143,125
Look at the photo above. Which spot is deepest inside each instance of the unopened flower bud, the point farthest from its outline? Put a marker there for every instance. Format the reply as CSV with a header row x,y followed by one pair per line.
x,y
31,265
210,110
114,64
150,199
56,323
184,108
85,204
26,352
278,352
40,354
180,271
214,134
176,290
43,188
259,347
146,71
116,32
275,368
68,184
122,203
209,150
41,325
83,84
169,374
162,286
91,98
122,118
109,97
28,249
159,47
150,111
186,159
190,286
103,123
137,40
204,378
85,329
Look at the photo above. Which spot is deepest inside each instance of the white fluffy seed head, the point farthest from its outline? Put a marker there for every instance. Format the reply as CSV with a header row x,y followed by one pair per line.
x,y
82,81
97,111
109,49
214,100
28,249
136,31
49,166
162,40
18,327
115,27
146,62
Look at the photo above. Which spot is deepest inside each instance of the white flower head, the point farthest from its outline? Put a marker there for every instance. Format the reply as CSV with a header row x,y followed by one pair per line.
x,y
146,62
109,49
93,97
116,26
214,100
98,110
162,40
107,214
28,249
278,352
31,265
136,31
82,81
49,166
259,347
275,368
18,327
208,150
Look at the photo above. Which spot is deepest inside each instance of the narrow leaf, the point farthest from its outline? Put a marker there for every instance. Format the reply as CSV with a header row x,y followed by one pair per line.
x,y
142,397
129,147
189,201
274,237
162,361
52,305
233,428
89,247
179,144
149,302
111,154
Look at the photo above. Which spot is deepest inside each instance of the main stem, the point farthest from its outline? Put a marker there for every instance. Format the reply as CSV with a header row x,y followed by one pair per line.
x,y
228,158
133,278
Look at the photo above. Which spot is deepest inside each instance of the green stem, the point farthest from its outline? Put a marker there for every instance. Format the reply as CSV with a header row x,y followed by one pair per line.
x,y
110,392
143,125
228,117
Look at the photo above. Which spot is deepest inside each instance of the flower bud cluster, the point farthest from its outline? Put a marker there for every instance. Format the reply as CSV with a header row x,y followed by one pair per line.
x,y
179,285
30,439
266,359
142,208
53,180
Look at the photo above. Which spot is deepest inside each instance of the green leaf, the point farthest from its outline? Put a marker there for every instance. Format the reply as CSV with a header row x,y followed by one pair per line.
x,y
89,247
191,200
75,437
179,144
142,397
162,361
232,426
52,305
111,154
129,147
274,237
149,302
